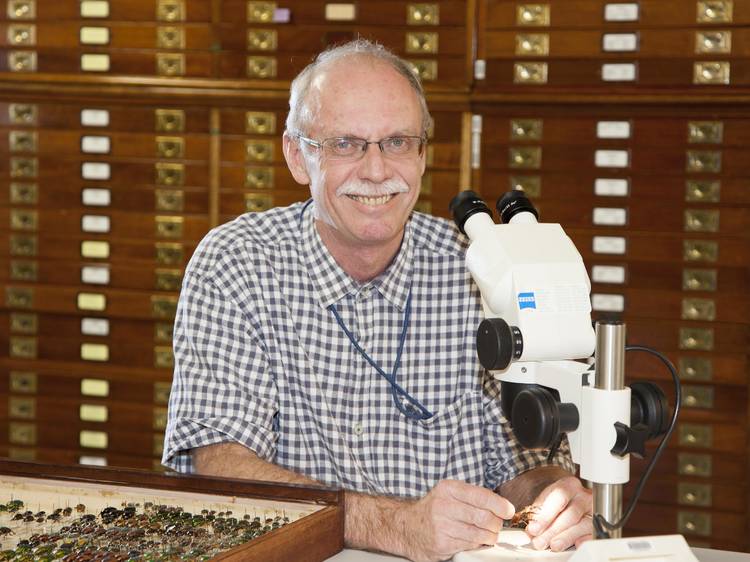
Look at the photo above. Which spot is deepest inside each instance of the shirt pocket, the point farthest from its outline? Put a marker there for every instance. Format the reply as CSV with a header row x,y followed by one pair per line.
x,y
449,444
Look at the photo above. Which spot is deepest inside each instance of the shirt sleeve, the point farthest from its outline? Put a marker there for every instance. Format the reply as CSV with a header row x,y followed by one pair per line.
x,y
504,456
222,388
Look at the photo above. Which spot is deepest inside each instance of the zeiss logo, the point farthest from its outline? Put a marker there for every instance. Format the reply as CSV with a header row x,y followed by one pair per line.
x,y
526,300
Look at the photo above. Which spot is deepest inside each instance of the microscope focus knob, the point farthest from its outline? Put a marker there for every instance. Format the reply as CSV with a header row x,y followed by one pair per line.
x,y
498,344
538,419
630,440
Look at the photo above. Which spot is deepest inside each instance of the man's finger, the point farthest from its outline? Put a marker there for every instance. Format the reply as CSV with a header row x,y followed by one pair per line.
x,y
482,498
555,502
571,517
472,516
572,536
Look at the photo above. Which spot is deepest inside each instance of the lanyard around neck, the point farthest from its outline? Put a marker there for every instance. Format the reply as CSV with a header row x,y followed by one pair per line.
x,y
397,391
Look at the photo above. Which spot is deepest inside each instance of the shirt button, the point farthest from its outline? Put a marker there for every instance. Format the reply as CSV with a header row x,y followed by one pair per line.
x,y
358,429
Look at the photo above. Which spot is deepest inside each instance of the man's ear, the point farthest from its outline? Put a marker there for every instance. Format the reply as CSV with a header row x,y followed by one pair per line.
x,y
295,160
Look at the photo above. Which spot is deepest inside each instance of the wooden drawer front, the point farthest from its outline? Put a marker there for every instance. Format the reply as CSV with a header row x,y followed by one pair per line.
x,y
107,36
684,336
588,73
105,383
371,12
437,43
193,64
64,436
91,274
444,71
74,248
608,45
610,274
70,173
90,144
617,188
696,367
690,493
84,414
690,522
703,466
102,116
188,11
676,247
621,159
706,401
86,325
110,224
578,13
112,303
93,351
100,200
79,456
625,126
645,303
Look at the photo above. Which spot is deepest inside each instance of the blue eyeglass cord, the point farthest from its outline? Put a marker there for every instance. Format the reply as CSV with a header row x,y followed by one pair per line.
x,y
396,390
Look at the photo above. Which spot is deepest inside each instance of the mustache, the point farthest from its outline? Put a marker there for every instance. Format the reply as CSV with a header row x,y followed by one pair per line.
x,y
369,189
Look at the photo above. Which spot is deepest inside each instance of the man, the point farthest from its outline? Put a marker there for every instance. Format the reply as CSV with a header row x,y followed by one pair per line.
x,y
333,341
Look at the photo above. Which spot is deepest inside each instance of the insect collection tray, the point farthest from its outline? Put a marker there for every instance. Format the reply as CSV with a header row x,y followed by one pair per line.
x,y
85,513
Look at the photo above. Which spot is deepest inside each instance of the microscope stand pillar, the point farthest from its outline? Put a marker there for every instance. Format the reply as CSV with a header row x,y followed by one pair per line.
x,y
610,375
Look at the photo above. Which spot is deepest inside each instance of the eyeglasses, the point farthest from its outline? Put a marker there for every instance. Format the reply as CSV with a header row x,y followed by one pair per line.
x,y
353,148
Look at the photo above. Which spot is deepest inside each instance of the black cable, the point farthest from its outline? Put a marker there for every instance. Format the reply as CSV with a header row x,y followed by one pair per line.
x,y
600,523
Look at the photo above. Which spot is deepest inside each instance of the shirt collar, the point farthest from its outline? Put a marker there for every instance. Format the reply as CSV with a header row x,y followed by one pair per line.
x,y
332,283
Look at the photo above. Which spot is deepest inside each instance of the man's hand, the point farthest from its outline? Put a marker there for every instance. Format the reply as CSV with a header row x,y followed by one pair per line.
x,y
564,519
452,517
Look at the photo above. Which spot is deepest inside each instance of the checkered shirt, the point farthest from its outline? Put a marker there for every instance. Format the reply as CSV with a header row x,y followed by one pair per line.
x,y
260,360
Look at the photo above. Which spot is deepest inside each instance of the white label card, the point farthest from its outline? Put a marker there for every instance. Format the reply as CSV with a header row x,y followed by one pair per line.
x,y
94,35
609,245
619,42
608,274
612,158
94,9
96,275
95,145
611,187
92,461
613,129
95,171
622,11
607,303
94,62
620,72
94,326
94,117
610,216
340,12
95,223
96,197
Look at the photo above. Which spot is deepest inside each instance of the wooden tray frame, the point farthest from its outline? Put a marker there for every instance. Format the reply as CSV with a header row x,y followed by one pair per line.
x,y
313,538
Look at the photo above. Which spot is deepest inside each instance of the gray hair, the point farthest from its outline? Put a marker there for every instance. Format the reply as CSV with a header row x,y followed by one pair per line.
x,y
300,115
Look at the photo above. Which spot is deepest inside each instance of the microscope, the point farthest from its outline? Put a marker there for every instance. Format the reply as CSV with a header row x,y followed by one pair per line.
x,y
537,339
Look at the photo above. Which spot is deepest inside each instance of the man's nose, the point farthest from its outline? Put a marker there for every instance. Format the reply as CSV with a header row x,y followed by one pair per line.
x,y
374,166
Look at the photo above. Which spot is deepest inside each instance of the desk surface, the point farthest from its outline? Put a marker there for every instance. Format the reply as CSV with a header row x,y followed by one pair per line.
x,y
703,554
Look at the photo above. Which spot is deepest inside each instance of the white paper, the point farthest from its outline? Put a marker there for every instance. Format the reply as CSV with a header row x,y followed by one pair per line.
x,y
623,11
96,275
610,216
94,326
609,244
611,187
94,62
95,171
611,158
95,223
608,274
92,461
607,303
613,129
94,9
94,36
618,72
96,197
95,145
619,42
94,117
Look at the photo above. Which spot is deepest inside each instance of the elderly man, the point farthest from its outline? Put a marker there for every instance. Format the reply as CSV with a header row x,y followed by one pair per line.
x,y
333,341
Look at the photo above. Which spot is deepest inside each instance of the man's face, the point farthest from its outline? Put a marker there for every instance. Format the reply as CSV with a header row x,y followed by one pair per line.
x,y
364,201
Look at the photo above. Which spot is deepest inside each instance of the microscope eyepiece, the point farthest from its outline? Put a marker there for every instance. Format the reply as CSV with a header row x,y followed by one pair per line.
x,y
466,204
513,203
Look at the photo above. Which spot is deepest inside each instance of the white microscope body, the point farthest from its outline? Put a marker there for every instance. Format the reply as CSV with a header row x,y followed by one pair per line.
x,y
531,276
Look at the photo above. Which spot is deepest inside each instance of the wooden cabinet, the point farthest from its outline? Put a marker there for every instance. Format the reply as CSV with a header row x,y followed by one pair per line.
x,y
130,128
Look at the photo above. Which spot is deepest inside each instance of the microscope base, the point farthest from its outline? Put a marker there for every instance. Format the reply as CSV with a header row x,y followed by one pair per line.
x,y
664,548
